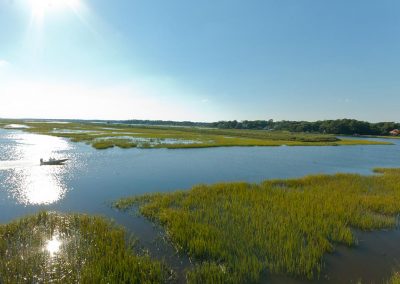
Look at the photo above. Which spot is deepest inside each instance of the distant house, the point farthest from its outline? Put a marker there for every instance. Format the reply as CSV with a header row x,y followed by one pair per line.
x,y
395,132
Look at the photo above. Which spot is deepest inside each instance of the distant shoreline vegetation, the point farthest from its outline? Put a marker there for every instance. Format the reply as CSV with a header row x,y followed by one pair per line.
x,y
102,135
337,126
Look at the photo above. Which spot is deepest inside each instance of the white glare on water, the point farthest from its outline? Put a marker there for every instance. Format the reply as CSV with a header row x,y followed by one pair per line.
x,y
53,245
26,180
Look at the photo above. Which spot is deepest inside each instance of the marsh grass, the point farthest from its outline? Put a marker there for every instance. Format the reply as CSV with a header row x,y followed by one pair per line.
x,y
238,231
109,143
103,136
395,279
88,250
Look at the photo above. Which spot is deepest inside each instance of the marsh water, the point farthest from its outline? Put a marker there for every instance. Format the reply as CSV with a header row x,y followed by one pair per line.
x,y
92,179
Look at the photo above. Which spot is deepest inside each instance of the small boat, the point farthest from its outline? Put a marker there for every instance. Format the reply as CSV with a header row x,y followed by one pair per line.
x,y
53,161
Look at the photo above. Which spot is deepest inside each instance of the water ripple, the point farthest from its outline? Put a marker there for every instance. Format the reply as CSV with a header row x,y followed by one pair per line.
x,y
23,178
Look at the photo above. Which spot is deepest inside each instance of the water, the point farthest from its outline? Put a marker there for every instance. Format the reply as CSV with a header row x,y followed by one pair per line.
x,y
373,260
92,179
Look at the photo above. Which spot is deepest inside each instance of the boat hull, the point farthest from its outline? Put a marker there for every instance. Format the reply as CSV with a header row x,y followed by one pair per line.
x,y
51,163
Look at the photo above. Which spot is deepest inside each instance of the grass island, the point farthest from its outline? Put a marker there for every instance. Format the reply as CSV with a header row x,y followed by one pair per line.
x,y
104,136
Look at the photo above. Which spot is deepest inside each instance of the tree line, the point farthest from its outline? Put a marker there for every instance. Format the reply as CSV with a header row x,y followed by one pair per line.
x,y
338,126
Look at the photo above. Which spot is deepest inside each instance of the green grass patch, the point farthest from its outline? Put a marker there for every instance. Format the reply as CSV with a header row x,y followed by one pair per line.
x,y
395,279
238,231
109,143
103,136
55,248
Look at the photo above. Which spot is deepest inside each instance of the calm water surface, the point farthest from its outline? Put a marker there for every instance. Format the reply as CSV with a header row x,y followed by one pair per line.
x,y
93,178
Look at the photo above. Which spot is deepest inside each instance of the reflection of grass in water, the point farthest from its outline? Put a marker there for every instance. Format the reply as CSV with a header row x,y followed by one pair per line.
x,y
92,250
237,231
204,137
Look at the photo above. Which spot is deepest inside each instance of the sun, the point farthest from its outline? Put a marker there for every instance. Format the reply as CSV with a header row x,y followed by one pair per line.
x,y
41,7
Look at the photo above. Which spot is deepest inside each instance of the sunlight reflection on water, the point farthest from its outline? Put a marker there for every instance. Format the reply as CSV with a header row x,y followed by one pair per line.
x,y
53,245
27,181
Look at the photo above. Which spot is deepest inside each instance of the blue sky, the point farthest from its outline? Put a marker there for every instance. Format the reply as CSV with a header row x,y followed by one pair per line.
x,y
200,60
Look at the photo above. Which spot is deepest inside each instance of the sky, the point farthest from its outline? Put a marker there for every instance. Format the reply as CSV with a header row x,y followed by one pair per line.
x,y
200,60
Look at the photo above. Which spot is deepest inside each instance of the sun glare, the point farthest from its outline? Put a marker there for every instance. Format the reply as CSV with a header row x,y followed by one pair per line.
x,y
41,7
53,246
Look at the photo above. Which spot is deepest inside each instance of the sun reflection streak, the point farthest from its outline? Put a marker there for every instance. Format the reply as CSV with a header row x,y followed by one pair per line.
x,y
39,185
26,180
53,245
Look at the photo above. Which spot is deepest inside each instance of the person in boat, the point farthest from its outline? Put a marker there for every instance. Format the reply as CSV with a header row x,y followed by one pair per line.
x,y
52,161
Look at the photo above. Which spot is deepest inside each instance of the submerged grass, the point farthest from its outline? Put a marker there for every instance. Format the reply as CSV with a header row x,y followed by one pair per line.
x,y
103,136
238,231
55,248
